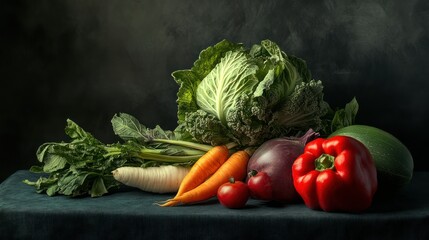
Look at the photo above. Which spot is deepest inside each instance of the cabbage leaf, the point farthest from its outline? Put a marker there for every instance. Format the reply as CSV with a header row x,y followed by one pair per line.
x,y
224,85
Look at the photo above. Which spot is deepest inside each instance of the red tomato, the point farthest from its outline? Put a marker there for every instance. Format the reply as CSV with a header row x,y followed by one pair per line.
x,y
259,184
233,194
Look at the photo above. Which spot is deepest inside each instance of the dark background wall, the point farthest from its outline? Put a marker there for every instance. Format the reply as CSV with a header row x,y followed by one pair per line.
x,y
87,60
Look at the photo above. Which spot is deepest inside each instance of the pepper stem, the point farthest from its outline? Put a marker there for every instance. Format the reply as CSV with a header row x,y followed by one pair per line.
x,y
324,161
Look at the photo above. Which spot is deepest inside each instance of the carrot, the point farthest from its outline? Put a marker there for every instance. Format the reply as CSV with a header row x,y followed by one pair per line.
x,y
203,168
162,179
235,167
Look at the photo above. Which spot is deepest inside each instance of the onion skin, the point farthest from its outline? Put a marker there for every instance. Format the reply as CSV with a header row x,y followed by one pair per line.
x,y
275,157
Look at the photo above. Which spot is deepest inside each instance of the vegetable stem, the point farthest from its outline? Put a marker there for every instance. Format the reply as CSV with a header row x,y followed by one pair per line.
x,y
112,151
324,161
167,158
198,146
194,145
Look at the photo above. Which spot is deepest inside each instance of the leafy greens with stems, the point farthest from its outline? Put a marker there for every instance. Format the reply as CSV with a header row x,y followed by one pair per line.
x,y
84,165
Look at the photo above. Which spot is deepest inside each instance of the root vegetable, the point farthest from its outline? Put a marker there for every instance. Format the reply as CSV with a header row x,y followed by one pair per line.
x,y
275,157
162,179
206,166
234,167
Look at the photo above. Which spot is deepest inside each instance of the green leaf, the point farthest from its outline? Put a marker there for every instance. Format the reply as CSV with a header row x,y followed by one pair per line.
x,y
189,79
52,190
54,163
186,101
98,188
211,56
346,116
206,128
71,182
36,169
43,183
273,50
75,132
128,127
159,133
41,151
220,89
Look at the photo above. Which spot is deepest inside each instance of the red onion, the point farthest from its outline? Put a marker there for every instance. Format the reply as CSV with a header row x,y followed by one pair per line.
x,y
275,157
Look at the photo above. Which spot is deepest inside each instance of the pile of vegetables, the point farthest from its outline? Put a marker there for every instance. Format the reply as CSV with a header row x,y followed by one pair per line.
x,y
244,116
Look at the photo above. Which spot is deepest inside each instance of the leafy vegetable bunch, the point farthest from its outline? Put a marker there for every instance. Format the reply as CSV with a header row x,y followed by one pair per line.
x,y
231,96
84,165
251,95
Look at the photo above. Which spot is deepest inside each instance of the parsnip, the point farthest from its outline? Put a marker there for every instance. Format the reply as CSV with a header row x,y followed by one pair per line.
x,y
162,179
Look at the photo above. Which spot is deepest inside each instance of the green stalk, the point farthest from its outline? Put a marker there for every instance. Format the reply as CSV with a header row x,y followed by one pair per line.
x,y
112,152
198,146
184,154
167,158
182,151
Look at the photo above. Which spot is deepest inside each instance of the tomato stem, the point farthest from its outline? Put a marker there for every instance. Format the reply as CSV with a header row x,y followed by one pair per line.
x,y
231,180
252,173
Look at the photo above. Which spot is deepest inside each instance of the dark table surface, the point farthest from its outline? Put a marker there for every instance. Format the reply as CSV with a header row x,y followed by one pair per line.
x,y
130,213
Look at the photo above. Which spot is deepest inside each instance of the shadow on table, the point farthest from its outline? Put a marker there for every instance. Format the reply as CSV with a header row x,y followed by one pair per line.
x,y
409,198
412,197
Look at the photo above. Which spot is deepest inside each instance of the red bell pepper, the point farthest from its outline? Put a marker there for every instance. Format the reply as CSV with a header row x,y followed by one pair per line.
x,y
335,174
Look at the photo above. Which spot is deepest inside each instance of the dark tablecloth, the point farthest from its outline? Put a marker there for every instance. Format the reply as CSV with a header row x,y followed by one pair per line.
x,y
132,214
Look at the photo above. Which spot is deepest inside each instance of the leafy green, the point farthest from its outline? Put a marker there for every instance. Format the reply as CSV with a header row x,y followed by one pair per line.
x,y
345,117
223,86
128,127
251,95
189,79
84,165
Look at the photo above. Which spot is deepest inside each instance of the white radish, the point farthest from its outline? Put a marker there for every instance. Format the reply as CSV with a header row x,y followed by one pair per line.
x,y
161,179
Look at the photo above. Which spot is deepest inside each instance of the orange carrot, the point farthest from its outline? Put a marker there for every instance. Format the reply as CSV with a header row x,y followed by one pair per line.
x,y
203,168
235,166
